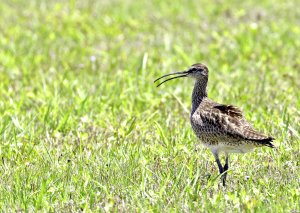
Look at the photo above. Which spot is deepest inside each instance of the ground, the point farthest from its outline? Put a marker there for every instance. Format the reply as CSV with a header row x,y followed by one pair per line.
x,y
83,127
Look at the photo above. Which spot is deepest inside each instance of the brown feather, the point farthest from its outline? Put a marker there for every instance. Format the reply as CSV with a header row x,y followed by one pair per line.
x,y
229,110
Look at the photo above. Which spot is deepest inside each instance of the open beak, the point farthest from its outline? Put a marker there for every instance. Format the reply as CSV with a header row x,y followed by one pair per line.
x,y
179,75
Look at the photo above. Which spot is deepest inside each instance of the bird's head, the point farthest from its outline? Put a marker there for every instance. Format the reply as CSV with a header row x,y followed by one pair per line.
x,y
197,71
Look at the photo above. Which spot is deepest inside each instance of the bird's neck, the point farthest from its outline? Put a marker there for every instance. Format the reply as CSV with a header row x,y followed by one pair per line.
x,y
199,93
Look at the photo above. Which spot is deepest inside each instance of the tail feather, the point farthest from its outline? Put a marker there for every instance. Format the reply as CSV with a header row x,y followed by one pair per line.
x,y
253,135
266,141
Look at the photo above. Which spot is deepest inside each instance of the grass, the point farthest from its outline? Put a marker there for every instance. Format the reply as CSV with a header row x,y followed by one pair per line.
x,y
83,127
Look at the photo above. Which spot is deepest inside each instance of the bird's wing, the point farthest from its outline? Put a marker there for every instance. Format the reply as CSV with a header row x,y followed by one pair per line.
x,y
230,120
229,110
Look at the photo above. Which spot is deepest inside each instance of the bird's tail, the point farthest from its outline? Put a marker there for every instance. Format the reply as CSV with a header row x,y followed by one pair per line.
x,y
258,137
265,142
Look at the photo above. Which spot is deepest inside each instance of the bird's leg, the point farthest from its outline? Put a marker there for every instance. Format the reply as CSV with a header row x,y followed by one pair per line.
x,y
216,155
225,169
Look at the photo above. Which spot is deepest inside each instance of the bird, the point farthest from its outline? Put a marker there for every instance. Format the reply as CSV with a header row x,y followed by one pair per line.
x,y
220,127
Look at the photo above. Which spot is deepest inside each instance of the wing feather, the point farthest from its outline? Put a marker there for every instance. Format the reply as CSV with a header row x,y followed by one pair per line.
x,y
229,120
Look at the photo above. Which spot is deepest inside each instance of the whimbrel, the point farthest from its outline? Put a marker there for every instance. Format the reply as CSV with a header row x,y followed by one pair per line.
x,y
222,128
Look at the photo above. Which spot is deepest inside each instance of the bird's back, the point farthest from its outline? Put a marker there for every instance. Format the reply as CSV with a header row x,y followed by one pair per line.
x,y
224,127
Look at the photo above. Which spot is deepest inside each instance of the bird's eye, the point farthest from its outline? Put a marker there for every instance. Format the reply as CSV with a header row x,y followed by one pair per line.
x,y
193,70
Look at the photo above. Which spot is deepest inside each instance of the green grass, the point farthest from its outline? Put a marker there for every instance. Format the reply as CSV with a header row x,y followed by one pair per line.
x,y
83,127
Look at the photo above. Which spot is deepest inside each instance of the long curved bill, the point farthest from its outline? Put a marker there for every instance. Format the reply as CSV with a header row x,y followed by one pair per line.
x,y
180,75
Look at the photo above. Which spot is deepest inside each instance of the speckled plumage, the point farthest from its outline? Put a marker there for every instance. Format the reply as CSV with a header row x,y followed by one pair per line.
x,y
222,128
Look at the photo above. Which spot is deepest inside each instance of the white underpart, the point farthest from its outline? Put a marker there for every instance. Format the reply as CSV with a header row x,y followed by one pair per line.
x,y
243,148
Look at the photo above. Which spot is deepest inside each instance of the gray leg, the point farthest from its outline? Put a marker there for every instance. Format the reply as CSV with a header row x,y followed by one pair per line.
x,y
216,154
226,166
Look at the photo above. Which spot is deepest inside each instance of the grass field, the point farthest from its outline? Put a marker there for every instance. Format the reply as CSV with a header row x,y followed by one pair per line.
x,y
83,127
